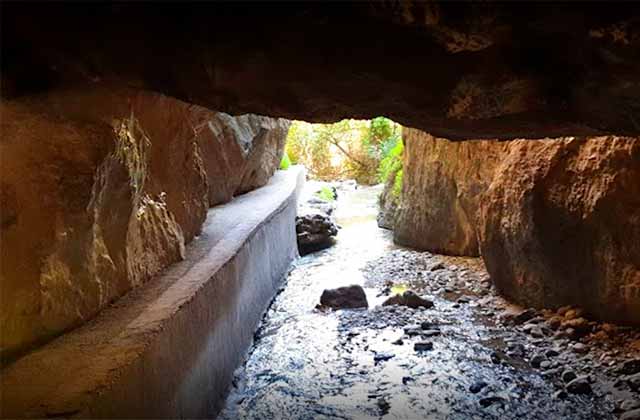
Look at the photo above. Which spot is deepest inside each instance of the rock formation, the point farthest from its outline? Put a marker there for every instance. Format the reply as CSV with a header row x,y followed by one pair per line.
x,y
557,220
442,191
469,70
102,188
561,225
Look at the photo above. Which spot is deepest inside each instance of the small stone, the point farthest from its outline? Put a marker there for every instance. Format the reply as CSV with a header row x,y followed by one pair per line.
x,y
486,402
524,316
382,357
631,415
551,353
629,404
438,266
634,381
563,310
410,299
554,322
426,325
561,395
580,348
495,358
536,360
430,333
398,342
573,313
580,325
423,346
630,367
545,364
568,376
477,386
579,385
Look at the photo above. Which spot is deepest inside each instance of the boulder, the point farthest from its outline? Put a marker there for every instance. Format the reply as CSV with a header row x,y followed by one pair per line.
x,y
347,297
561,225
315,231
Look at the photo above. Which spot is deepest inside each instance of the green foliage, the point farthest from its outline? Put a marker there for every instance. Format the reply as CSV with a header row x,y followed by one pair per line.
x,y
392,158
326,194
285,163
346,149
397,184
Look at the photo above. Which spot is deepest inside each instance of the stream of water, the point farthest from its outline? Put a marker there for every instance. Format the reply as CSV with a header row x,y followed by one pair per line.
x,y
308,363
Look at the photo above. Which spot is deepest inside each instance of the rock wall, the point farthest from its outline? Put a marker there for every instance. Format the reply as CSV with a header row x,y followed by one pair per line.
x,y
470,70
557,221
442,191
561,225
388,203
101,189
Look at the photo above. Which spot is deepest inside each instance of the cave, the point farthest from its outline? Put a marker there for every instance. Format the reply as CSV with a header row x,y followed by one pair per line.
x,y
150,239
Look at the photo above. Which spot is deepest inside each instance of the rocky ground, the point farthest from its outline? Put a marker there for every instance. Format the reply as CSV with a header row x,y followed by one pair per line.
x,y
470,355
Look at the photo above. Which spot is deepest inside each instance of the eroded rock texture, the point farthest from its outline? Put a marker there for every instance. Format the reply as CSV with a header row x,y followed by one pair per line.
x,y
442,192
557,220
468,70
561,225
101,189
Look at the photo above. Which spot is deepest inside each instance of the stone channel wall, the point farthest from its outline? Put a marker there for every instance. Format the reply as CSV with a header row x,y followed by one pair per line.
x,y
169,348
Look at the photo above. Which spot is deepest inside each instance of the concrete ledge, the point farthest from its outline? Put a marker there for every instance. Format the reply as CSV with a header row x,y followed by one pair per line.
x,y
169,348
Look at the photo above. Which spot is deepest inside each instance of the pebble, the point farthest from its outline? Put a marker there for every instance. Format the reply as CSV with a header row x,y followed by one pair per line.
x,y
629,404
423,346
579,385
630,367
580,348
486,402
477,386
631,415
568,376
537,360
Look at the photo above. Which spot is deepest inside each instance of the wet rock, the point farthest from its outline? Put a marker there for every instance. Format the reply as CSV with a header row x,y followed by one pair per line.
x,y
383,357
430,333
477,386
410,299
537,360
629,404
554,322
579,325
580,348
344,298
579,385
315,232
438,266
630,367
631,415
561,395
423,346
634,381
551,353
545,364
488,401
568,376
524,316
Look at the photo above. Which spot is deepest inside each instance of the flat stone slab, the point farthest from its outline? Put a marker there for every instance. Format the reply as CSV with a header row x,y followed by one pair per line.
x,y
169,347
